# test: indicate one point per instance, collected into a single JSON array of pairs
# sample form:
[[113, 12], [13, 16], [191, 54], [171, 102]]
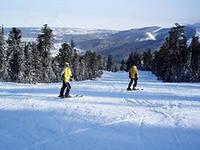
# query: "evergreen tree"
[[100, 62], [110, 63], [195, 58], [57, 69], [137, 60], [16, 56], [36, 64], [65, 54], [116, 67], [178, 54], [147, 60], [171, 62], [21, 76], [45, 44], [76, 67], [104, 63], [94, 65], [83, 69], [123, 65], [161, 63], [3, 57], [29, 73]]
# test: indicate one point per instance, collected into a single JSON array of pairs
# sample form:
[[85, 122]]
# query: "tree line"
[[142, 61], [32, 62], [176, 61]]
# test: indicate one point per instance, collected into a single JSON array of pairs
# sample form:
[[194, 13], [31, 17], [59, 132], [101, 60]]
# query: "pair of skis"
[[137, 89], [71, 96]]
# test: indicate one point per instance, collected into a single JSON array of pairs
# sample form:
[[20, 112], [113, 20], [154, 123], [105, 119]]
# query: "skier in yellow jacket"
[[133, 75], [67, 75]]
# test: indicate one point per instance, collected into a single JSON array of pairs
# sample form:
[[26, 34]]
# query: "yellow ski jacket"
[[133, 72], [67, 74]]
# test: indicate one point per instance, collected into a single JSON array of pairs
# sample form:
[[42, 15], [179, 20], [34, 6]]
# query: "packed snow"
[[159, 116], [151, 36], [159, 29]]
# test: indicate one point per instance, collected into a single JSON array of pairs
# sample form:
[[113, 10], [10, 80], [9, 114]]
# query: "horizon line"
[[97, 28]]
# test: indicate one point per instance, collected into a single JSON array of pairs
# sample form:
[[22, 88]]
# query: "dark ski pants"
[[131, 82], [65, 85]]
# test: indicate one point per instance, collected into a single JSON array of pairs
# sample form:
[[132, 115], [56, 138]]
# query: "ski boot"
[[68, 96], [61, 96], [128, 89]]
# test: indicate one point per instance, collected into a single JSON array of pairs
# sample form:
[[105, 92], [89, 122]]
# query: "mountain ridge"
[[105, 42]]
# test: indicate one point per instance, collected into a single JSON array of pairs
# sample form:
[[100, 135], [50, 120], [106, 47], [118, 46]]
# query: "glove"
[[71, 78]]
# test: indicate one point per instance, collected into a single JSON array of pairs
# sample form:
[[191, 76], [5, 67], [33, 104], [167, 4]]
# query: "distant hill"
[[117, 43], [122, 43]]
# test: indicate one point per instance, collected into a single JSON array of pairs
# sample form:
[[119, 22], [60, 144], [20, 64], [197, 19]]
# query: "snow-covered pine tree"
[[100, 62], [83, 70], [57, 69], [29, 73], [76, 67], [161, 62], [137, 60], [104, 63], [21, 77], [195, 58], [3, 57], [110, 63], [178, 52], [165, 59], [65, 54], [91, 64], [16, 56], [36, 64], [94, 65], [45, 44], [147, 60], [171, 62], [123, 65]]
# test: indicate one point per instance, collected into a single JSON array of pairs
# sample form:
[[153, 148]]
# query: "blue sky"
[[105, 14]]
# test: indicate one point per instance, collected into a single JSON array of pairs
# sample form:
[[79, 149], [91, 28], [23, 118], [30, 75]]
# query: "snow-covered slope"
[[162, 116]]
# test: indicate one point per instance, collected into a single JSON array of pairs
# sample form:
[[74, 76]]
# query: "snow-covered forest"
[[32, 62]]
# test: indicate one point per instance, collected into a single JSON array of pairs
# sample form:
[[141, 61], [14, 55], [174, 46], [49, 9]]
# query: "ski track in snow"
[[107, 117]]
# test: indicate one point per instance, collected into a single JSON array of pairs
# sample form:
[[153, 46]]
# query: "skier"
[[67, 77], [133, 75]]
